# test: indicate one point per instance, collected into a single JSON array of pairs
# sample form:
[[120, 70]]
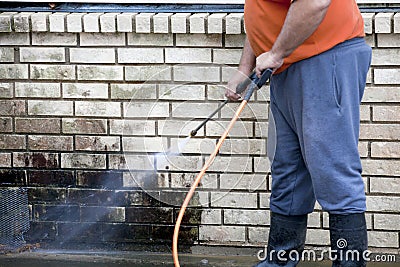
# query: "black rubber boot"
[[349, 240], [286, 240]]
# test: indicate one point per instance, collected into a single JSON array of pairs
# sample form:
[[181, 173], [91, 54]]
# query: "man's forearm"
[[248, 59], [303, 18]]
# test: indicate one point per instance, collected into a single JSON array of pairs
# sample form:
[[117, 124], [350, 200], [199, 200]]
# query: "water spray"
[[251, 84]]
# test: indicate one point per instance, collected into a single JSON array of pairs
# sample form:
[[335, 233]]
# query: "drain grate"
[[14, 217]]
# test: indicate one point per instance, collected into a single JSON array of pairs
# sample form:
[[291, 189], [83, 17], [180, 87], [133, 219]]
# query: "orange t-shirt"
[[264, 20]]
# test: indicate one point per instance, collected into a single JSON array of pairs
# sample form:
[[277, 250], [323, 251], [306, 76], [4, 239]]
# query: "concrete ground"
[[63, 258]]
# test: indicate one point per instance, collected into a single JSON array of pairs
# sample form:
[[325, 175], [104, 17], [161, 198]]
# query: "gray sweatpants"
[[314, 134]]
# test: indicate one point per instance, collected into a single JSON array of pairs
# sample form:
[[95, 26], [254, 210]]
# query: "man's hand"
[[268, 60], [230, 92]]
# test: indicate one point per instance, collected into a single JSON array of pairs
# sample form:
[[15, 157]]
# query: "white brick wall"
[[102, 84]]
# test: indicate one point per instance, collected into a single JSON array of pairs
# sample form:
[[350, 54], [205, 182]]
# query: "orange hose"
[[197, 181]]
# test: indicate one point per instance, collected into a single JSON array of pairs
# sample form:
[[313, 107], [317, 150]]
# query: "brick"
[[6, 54], [187, 55], [227, 56], [55, 213], [185, 180], [198, 22], [91, 22], [5, 22], [149, 215], [84, 126], [249, 182], [102, 214], [138, 109], [39, 22], [179, 22], [264, 200], [199, 146], [6, 90], [85, 90], [144, 144], [262, 164], [215, 23], [57, 39], [125, 22], [388, 40], [100, 73], [260, 129], [12, 107], [143, 22], [35, 160], [131, 162], [199, 39], [104, 39], [383, 22], [233, 200], [258, 235], [368, 22], [53, 108], [57, 22], [74, 22], [384, 185], [381, 94], [386, 113], [97, 109], [244, 146], [248, 217], [230, 164], [13, 71], [222, 233], [6, 125], [385, 150], [365, 113], [146, 39], [317, 237], [83, 161], [133, 91], [211, 216], [90, 197], [92, 55], [22, 22], [363, 149], [51, 178], [52, 72], [234, 23], [97, 143], [46, 142], [132, 127], [383, 203], [196, 74], [182, 92], [381, 167], [36, 125], [5, 160], [379, 131], [108, 22], [178, 163], [257, 111], [175, 127], [162, 22], [146, 179], [387, 221], [148, 73], [140, 55], [370, 40], [38, 90], [386, 57], [383, 239], [14, 38], [189, 110], [240, 128], [41, 54]]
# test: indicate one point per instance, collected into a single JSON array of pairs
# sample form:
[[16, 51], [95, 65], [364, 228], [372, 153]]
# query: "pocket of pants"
[[336, 91]]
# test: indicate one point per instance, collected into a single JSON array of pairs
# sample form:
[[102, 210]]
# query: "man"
[[320, 62]]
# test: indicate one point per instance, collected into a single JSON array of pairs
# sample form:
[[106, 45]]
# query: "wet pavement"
[[45, 258]]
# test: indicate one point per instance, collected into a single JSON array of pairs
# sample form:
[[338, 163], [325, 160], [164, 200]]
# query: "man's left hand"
[[268, 60]]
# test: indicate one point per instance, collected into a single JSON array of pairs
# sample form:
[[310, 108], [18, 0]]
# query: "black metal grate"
[[14, 217]]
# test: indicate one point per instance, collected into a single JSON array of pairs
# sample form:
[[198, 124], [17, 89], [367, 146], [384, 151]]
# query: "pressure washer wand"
[[258, 83], [252, 80]]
